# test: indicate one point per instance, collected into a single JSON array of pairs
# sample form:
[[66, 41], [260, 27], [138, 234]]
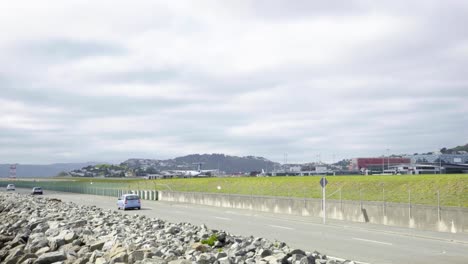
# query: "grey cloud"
[[283, 9], [403, 92], [62, 49]]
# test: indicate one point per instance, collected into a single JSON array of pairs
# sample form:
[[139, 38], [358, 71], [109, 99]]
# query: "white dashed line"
[[222, 218], [282, 227], [373, 241]]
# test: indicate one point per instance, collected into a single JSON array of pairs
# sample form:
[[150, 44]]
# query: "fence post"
[[341, 202], [438, 206], [360, 198], [305, 193], [409, 203], [384, 202]]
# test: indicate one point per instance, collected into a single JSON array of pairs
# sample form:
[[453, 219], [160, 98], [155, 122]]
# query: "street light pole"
[[383, 163], [440, 163], [388, 159]]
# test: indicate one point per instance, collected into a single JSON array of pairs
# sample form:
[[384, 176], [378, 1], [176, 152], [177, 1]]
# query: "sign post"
[[323, 183]]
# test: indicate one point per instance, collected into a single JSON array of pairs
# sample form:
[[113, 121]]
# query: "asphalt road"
[[347, 240]]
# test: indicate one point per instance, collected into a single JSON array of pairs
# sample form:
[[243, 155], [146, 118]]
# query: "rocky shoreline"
[[40, 230]]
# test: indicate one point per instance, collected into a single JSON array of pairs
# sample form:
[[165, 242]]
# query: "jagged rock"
[[222, 237], [50, 257], [78, 223], [310, 259], [27, 256], [220, 255], [28, 261], [137, 255], [180, 261], [97, 245], [201, 247], [69, 237], [3, 253], [4, 238], [205, 258], [100, 260], [265, 253], [55, 243], [298, 251], [40, 230], [172, 230], [80, 261], [297, 257], [15, 252], [42, 251], [154, 260], [120, 257], [225, 260], [36, 242], [271, 259]]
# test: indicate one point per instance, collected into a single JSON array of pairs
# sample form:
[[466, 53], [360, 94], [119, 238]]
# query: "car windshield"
[[133, 197], [37, 189]]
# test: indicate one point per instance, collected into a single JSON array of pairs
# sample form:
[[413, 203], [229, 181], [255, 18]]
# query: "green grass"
[[421, 189], [453, 188], [211, 240]]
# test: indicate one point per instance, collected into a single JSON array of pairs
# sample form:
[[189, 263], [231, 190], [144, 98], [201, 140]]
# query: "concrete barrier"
[[443, 219]]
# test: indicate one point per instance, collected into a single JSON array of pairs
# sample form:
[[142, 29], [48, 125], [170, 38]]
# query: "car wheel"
[[139, 208]]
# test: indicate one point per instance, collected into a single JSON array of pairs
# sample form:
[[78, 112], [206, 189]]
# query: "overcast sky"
[[111, 80]]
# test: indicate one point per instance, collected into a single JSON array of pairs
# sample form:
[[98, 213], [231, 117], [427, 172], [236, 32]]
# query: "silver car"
[[129, 201], [10, 187], [36, 190]]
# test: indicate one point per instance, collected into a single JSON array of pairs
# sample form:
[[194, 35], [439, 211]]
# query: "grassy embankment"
[[422, 189], [453, 188]]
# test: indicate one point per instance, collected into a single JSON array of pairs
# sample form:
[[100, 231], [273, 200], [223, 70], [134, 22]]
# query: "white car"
[[129, 201], [10, 187]]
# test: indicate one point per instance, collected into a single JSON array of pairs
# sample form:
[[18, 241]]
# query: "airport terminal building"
[[442, 158], [412, 164]]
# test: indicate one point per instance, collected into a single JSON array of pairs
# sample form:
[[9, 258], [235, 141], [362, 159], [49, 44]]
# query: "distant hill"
[[455, 150], [229, 164], [50, 170]]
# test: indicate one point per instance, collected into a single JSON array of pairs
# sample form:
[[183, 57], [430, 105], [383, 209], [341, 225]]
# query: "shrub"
[[210, 241]]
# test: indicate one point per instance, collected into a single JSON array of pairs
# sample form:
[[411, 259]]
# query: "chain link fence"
[[94, 188], [249, 186]]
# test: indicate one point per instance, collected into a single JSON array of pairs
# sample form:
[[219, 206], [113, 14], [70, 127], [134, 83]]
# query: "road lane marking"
[[373, 241], [222, 218], [282, 227]]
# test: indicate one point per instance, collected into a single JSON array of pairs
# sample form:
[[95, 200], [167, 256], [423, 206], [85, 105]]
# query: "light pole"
[[440, 163], [388, 159], [383, 163]]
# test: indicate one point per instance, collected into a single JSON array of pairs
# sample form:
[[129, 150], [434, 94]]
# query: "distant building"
[[415, 169], [450, 163], [442, 158], [295, 168], [376, 164]]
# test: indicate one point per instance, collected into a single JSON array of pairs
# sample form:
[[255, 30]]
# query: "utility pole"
[[13, 171], [440, 164], [383, 163], [388, 159]]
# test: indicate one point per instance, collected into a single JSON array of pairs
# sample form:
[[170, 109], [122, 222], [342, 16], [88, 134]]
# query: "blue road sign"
[[323, 182]]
